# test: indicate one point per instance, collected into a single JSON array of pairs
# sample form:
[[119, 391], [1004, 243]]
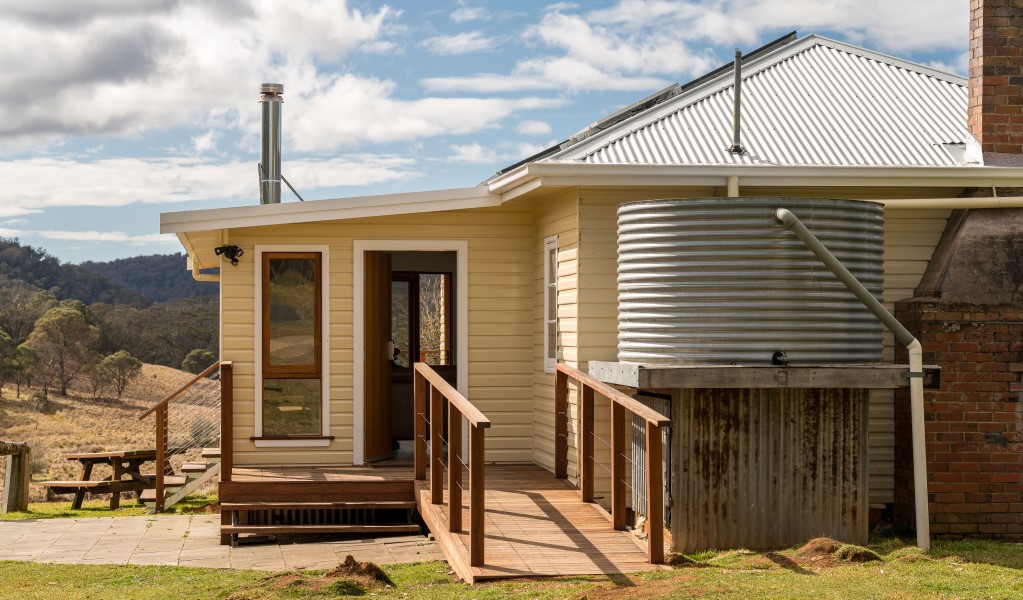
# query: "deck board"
[[536, 526]]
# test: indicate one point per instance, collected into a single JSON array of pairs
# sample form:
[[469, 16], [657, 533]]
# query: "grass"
[[955, 569], [101, 508]]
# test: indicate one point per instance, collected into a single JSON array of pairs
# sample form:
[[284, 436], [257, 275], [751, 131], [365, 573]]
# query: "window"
[[292, 403], [422, 335], [550, 303]]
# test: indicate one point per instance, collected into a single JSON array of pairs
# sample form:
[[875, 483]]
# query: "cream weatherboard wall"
[[500, 315]]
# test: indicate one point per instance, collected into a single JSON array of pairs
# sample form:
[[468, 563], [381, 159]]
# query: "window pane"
[[433, 333], [400, 321], [291, 407], [292, 311]]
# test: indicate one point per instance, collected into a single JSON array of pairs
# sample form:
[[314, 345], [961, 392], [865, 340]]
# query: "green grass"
[[962, 569], [101, 508]]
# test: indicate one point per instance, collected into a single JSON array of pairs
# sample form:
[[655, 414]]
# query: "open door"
[[377, 323]]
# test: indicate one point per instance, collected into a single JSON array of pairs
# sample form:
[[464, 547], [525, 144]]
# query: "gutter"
[[916, 370]]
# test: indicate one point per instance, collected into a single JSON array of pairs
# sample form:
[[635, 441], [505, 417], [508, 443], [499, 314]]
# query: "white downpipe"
[[733, 187], [916, 382]]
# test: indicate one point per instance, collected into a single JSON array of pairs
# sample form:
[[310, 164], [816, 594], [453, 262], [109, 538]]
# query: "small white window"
[[550, 303]]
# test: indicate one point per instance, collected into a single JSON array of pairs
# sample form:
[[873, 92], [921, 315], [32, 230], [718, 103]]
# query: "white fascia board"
[[328, 210], [560, 174]]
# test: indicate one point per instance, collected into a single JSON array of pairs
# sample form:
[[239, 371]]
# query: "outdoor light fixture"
[[231, 252]]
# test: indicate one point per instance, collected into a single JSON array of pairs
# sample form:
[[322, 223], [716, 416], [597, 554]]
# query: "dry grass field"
[[81, 423]]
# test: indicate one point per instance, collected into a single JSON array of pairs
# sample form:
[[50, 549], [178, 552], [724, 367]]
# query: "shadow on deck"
[[535, 525]]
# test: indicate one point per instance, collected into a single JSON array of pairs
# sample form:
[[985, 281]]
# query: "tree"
[[120, 369], [6, 349], [20, 306], [197, 361], [19, 364], [63, 338]]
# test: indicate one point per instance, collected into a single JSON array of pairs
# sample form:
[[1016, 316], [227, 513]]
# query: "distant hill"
[[41, 270], [159, 277]]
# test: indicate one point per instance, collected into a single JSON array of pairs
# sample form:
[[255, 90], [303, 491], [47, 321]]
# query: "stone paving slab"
[[189, 541]]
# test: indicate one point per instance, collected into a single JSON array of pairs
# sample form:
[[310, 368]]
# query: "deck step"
[[293, 529], [194, 467], [170, 482], [353, 504], [211, 452]]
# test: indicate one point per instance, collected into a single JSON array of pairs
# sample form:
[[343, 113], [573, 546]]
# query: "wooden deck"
[[536, 526]]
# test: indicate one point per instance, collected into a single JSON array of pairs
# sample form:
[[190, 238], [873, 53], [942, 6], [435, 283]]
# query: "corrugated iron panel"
[[769, 468], [639, 492], [820, 106], [717, 281]]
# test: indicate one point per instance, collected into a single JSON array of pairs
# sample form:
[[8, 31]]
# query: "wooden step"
[[172, 481], [245, 492], [353, 504], [293, 529], [194, 467], [211, 452]]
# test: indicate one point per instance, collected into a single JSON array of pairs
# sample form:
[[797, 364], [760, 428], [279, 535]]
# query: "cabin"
[[484, 322]]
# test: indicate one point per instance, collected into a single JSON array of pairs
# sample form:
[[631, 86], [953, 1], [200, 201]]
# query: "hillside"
[[159, 277], [40, 270], [80, 423]]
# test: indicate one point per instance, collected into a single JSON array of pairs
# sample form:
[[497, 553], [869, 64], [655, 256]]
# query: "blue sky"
[[115, 111]]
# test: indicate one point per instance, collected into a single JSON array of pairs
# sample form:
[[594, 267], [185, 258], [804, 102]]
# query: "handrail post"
[[454, 469], [654, 495], [161, 454], [618, 466], [476, 496], [586, 442], [560, 425], [420, 424], [226, 420], [436, 446]]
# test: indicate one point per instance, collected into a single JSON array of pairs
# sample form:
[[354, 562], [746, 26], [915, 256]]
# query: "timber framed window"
[[291, 378], [550, 303]]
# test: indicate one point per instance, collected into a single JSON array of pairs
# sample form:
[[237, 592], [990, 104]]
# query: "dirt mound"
[[858, 554], [365, 574], [821, 545]]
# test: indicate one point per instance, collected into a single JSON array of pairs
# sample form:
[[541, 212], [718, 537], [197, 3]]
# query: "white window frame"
[[550, 284], [324, 348]]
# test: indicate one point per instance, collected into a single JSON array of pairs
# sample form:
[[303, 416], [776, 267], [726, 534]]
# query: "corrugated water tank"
[[718, 281]]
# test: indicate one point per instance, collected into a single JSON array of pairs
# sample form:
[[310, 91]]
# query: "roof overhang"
[[327, 210], [529, 177]]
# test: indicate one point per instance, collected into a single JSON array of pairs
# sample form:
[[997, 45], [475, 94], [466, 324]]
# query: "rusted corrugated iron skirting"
[[768, 468]]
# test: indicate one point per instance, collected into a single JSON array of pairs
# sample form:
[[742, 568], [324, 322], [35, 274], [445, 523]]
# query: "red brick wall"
[[974, 422], [996, 75]]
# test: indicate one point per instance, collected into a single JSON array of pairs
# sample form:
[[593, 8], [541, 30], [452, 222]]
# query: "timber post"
[[17, 477]]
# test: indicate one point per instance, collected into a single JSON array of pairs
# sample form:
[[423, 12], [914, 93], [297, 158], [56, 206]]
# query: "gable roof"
[[811, 102]]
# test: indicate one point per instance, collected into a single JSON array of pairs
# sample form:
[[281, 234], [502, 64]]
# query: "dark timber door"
[[377, 376]]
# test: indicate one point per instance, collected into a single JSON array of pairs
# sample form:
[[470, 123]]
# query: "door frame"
[[360, 247]]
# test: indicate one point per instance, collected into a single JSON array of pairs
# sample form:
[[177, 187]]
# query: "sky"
[[114, 111]]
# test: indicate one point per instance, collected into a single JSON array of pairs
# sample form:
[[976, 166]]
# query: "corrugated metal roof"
[[813, 102]]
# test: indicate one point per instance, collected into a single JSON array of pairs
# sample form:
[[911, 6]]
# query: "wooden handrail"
[[635, 407], [458, 407], [166, 400], [452, 395], [620, 403]]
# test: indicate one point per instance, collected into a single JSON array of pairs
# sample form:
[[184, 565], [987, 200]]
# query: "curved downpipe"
[[916, 382]]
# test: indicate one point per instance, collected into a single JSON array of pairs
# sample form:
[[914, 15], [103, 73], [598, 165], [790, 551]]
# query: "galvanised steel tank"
[[719, 281]]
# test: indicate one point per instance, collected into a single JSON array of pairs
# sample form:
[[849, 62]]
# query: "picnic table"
[[126, 476]]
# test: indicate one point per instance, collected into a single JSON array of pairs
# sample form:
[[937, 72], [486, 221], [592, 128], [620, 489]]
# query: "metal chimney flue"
[[270, 100]]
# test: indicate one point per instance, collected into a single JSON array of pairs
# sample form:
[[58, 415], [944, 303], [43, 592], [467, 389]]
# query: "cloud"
[[121, 70], [462, 43], [124, 181], [473, 154], [468, 13], [529, 127]]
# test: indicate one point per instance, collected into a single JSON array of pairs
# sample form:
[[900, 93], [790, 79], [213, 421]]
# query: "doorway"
[[410, 315]]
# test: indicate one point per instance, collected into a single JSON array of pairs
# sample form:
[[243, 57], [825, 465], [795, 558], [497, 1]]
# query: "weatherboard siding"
[[501, 271], [557, 215]]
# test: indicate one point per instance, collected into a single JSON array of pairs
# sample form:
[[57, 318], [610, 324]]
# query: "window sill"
[[292, 441]]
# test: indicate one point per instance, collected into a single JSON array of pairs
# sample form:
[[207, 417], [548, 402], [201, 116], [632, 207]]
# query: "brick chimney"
[[996, 75]]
